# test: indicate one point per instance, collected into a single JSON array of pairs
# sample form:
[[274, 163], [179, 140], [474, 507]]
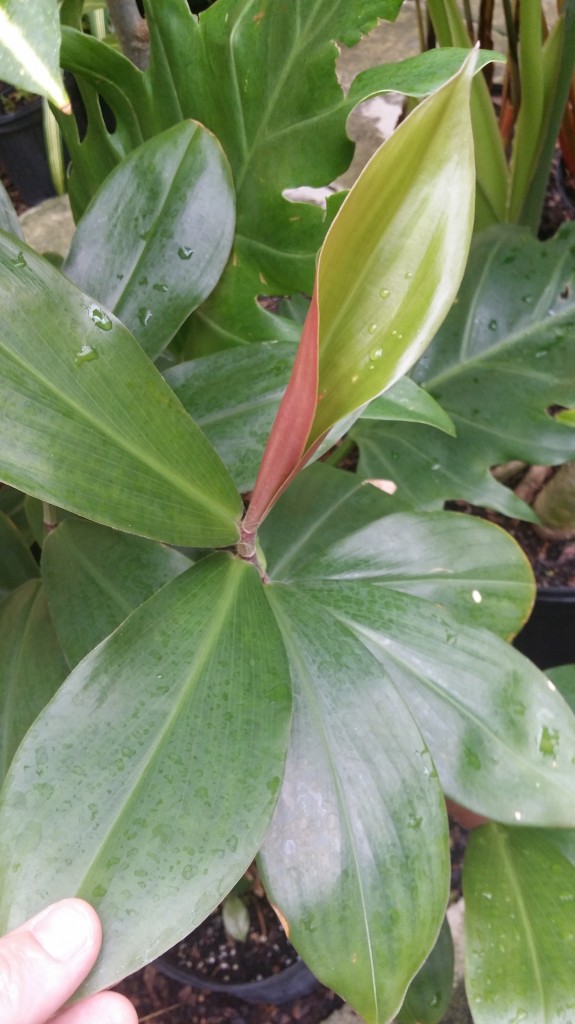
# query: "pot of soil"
[[22, 152], [261, 968], [548, 638]]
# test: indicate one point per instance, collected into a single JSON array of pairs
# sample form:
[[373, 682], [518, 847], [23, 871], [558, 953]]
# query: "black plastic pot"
[[548, 638], [22, 152], [295, 981]]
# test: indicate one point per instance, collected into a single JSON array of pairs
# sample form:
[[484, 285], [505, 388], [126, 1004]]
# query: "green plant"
[[538, 105], [307, 692]]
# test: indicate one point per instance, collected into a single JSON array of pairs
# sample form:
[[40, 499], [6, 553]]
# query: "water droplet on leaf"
[[19, 260], [144, 316], [100, 319], [185, 253], [86, 355]]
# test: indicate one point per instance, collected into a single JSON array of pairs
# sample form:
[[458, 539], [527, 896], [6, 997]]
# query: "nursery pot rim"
[[295, 980]]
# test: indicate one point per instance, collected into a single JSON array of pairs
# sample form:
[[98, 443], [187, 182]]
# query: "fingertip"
[[67, 929], [104, 1008]]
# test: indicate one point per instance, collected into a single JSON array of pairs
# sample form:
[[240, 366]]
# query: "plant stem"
[[132, 31]]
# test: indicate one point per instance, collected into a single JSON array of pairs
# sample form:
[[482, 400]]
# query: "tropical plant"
[[185, 686], [537, 108]]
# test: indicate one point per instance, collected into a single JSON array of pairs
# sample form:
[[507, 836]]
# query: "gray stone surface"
[[49, 227]]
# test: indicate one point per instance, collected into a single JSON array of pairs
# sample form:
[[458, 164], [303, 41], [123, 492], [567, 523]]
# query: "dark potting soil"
[[212, 954]]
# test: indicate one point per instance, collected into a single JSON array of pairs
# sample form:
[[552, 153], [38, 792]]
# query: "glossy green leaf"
[[430, 992], [394, 256], [29, 45], [88, 424], [285, 133], [233, 396], [406, 402], [501, 360], [33, 665], [231, 317], [416, 76], [17, 564], [332, 526], [359, 795], [502, 739], [94, 577], [123, 760], [519, 928], [145, 247]]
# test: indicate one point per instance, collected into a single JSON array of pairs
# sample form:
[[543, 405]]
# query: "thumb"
[[43, 962]]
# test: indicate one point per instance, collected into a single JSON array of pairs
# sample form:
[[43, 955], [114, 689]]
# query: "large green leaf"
[[148, 783], [146, 246], [29, 45], [88, 424], [394, 256], [17, 564], [345, 859], [33, 665], [519, 928], [502, 359], [502, 738], [94, 577], [333, 526], [233, 396]]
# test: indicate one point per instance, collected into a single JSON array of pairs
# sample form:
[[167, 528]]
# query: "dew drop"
[[185, 253], [517, 815], [372, 328], [487, 895], [144, 316], [375, 353], [159, 287], [86, 355], [527, 299], [542, 353], [19, 260], [100, 319], [384, 293], [189, 871], [492, 325], [414, 822], [409, 275], [548, 741], [475, 594]]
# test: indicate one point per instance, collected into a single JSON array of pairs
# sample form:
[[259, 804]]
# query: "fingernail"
[[62, 930]]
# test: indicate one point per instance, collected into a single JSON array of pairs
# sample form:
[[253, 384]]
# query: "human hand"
[[43, 962]]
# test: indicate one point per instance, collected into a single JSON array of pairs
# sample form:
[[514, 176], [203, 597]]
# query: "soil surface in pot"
[[210, 953]]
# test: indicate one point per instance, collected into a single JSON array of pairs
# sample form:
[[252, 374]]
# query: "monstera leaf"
[[503, 358]]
